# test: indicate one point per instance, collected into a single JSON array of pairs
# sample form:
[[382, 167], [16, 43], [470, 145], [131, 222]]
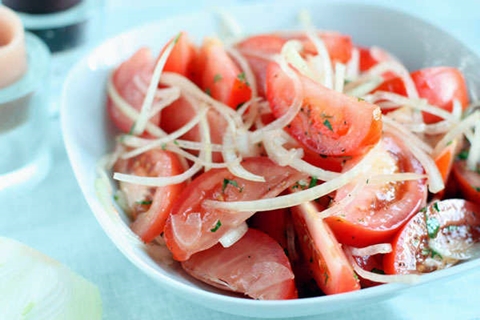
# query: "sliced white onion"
[[289, 200], [140, 123], [399, 130], [34, 286], [158, 181], [291, 53], [128, 110], [353, 65], [340, 70], [233, 235], [381, 278], [361, 87], [456, 131], [473, 158], [380, 248], [322, 59]]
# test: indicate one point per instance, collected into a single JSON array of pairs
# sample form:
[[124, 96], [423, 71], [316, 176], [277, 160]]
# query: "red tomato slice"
[[192, 227], [439, 85], [468, 181], [255, 266], [452, 224], [218, 75], [370, 57], [275, 224], [149, 206], [379, 210], [140, 64], [182, 56], [329, 123], [328, 263]]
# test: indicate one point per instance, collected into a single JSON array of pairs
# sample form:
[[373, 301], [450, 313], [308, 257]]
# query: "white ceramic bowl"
[[88, 135]]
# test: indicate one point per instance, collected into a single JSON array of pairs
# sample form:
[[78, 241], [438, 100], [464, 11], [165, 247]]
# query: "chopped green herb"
[[217, 226], [313, 182], [433, 226], [175, 142], [144, 202], [327, 124], [463, 155], [164, 146], [241, 77], [429, 252], [452, 228], [217, 77], [368, 180], [208, 91], [239, 105], [355, 276], [449, 142], [435, 207], [234, 183], [325, 274], [360, 99], [476, 188]]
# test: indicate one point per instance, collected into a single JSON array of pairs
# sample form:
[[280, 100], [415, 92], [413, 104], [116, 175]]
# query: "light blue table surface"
[[54, 218]]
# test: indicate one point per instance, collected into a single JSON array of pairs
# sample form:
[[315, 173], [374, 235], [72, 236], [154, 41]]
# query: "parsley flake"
[[327, 124], [217, 226], [433, 226], [242, 78], [313, 182], [233, 183], [463, 155], [144, 202], [217, 77]]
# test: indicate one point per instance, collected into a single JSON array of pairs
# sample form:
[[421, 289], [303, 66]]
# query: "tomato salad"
[[297, 163]]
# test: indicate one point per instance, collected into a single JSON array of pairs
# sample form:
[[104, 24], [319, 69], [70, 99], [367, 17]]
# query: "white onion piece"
[[300, 197], [360, 88], [457, 130], [353, 65], [291, 53], [381, 278], [323, 57], [340, 70], [435, 180], [338, 206], [399, 69], [380, 248], [140, 123], [34, 286], [473, 158], [128, 110], [158, 181], [170, 137], [399, 130], [233, 235]]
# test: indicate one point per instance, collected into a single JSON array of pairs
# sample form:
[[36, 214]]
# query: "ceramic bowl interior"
[[88, 135]]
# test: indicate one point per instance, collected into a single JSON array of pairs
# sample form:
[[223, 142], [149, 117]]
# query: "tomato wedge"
[[193, 227], [379, 210], [218, 75], [439, 85], [140, 64], [325, 257], [370, 57], [468, 181], [255, 265], [329, 122], [373, 263], [435, 238], [182, 57], [149, 206]]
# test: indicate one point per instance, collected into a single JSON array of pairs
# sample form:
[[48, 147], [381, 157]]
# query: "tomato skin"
[[274, 223], [458, 220], [139, 64], [255, 265], [188, 228], [329, 123], [370, 57], [439, 85], [468, 181], [324, 255], [218, 75], [376, 213], [182, 57], [150, 206]]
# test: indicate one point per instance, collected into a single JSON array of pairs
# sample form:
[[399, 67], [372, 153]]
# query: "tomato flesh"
[[218, 75], [182, 57], [453, 224], [150, 206], [140, 64], [379, 210], [329, 123], [327, 261], [468, 181], [255, 265], [189, 227]]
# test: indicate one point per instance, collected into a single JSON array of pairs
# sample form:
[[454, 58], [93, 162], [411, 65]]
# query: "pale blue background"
[[55, 219]]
